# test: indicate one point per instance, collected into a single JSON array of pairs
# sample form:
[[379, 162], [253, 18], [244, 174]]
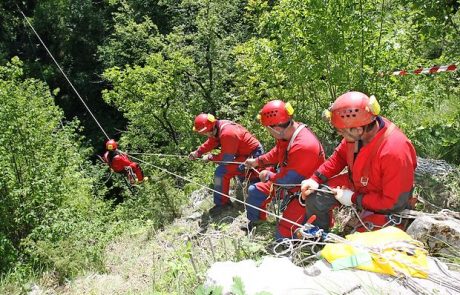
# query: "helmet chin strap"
[[274, 131], [281, 133], [214, 131]]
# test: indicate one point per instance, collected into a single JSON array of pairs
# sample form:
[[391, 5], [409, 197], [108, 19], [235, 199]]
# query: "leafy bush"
[[9, 254], [158, 201], [43, 180], [79, 233]]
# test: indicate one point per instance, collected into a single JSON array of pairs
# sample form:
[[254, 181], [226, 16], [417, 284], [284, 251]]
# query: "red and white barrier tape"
[[432, 70]]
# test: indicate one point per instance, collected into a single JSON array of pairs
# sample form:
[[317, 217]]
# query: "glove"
[[206, 158], [306, 187], [264, 175], [344, 196], [251, 162], [193, 155]]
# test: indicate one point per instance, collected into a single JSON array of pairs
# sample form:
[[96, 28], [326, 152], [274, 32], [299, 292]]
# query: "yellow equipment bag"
[[389, 251]]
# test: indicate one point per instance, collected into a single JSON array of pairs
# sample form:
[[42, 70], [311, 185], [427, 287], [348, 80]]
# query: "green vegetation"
[[146, 67]]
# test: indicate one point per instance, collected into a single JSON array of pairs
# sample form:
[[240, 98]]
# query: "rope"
[[394, 218], [302, 243], [289, 245], [246, 183], [231, 162], [331, 236], [446, 279], [328, 191], [62, 71], [359, 218], [293, 247], [445, 270], [226, 162], [158, 155], [183, 156], [213, 190]]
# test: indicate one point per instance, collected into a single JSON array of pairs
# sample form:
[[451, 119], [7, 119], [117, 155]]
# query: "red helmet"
[[204, 123], [111, 145], [275, 112], [353, 109]]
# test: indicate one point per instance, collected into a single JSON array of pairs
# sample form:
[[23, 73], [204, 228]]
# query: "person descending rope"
[[236, 144], [381, 163], [117, 161], [297, 153], [120, 163]]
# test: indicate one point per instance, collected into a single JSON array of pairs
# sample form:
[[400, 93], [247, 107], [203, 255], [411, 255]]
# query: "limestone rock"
[[440, 232]]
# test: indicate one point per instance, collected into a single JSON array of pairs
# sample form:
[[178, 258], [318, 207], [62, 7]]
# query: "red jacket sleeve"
[[302, 162], [271, 157], [333, 165], [210, 144]]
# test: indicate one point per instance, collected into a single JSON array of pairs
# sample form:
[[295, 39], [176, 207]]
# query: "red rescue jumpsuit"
[[381, 175], [297, 159], [236, 144], [120, 163]]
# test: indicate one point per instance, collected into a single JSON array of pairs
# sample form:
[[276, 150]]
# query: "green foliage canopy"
[[41, 160]]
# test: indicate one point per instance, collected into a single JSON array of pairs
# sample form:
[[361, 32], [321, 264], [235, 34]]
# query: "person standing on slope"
[[236, 145]]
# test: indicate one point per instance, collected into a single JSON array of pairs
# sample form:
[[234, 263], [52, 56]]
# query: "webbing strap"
[[367, 165], [225, 124], [293, 137], [296, 132], [352, 148]]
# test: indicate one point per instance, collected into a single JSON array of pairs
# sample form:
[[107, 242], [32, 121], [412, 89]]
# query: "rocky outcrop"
[[433, 167], [439, 232]]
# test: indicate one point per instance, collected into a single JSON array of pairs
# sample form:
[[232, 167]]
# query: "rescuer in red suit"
[[380, 161], [120, 163], [236, 145], [296, 155]]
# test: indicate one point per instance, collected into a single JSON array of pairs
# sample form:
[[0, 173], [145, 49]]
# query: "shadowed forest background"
[[145, 68]]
